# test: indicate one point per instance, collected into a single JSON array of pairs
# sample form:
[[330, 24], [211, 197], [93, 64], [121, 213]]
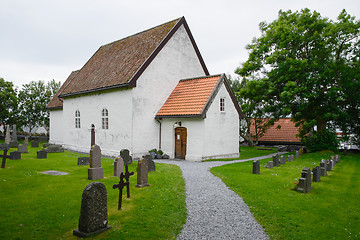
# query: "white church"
[[149, 90]]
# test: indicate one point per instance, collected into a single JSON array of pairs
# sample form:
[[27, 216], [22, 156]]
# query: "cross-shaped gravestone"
[[123, 184], [4, 156], [125, 154]]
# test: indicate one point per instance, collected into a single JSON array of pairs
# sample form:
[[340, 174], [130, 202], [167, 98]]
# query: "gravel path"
[[214, 211]]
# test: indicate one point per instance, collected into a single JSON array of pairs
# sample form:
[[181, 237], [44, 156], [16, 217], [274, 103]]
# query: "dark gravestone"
[[316, 174], [276, 160], [4, 146], [14, 144], [83, 161], [118, 166], [151, 164], [269, 164], [41, 154], [328, 165], [34, 144], [4, 157], [95, 171], [142, 173], [256, 167], [123, 184], [93, 215], [305, 181], [125, 154], [15, 155], [323, 167], [92, 142], [282, 159]]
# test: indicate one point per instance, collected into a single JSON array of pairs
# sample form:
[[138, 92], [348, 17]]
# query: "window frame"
[[104, 119], [222, 104], [77, 119]]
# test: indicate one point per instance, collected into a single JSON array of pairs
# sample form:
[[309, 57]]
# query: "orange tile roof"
[[286, 134], [190, 97]]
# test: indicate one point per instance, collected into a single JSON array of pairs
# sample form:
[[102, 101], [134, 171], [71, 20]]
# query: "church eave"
[[123, 85]]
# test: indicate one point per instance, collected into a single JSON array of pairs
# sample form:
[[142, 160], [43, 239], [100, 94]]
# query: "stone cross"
[[125, 154], [316, 174], [256, 167], [123, 184], [95, 171], [118, 166], [4, 157], [92, 135], [93, 215], [142, 173], [269, 164], [276, 160], [305, 181], [7, 135]]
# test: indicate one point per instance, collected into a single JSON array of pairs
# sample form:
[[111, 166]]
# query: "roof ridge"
[[201, 77]]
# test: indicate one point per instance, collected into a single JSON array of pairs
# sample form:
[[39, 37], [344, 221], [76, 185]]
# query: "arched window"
[[77, 119], [105, 119]]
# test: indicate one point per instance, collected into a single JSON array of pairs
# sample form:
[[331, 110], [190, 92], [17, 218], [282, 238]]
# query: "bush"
[[318, 141]]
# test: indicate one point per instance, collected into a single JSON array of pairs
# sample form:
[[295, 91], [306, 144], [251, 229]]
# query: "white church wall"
[[222, 128], [56, 127], [112, 140], [176, 60]]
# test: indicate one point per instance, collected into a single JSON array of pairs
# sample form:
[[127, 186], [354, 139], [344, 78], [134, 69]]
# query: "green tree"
[[8, 103], [307, 67], [33, 98]]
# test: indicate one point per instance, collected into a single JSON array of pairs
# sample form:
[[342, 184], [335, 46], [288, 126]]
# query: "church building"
[[149, 90]]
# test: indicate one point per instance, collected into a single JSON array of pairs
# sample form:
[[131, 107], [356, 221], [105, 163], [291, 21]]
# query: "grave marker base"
[[85, 235]]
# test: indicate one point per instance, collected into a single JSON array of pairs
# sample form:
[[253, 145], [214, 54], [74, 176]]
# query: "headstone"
[[123, 184], [337, 158], [332, 157], [15, 155], [55, 149], [14, 143], [290, 158], [316, 174], [7, 135], [282, 159], [23, 148], [118, 166], [92, 135], [305, 181], [269, 164], [151, 164], [42, 154], [142, 173], [297, 154], [4, 157], [34, 144], [276, 160], [256, 167], [95, 171], [93, 215], [328, 165], [125, 154], [323, 167], [4, 146], [26, 141], [83, 161], [46, 145]]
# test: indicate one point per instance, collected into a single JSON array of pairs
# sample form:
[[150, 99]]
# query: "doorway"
[[180, 142]]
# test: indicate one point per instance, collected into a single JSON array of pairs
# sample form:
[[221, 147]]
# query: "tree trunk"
[[321, 125]]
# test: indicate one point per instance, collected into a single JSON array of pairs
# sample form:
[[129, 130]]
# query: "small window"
[[222, 104], [105, 119], [77, 119]]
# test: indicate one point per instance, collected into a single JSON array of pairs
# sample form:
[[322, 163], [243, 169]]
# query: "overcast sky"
[[47, 39]]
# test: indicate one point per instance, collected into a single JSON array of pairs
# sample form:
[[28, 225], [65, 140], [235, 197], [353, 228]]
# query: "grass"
[[330, 210], [39, 206], [247, 152]]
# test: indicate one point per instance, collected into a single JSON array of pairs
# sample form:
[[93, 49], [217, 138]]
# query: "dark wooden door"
[[180, 142]]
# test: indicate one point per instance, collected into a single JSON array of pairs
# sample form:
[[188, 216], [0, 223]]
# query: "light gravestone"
[[256, 167], [297, 154], [15, 155], [151, 164], [14, 143], [282, 159], [125, 155], [93, 215], [323, 167], [26, 141], [269, 164], [328, 165], [118, 166], [42, 154], [316, 174], [95, 171], [55, 149], [142, 173], [337, 158], [305, 181], [23, 148], [7, 135], [290, 158], [276, 160]]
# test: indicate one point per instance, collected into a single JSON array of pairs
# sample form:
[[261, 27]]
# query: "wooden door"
[[180, 142]]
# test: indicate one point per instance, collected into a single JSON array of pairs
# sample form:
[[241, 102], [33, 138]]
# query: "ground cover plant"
[[330, 210], [249, 152], [39, 206]]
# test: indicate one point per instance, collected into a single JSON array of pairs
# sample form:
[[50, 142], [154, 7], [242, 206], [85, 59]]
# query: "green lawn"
[[248, 152], [38, 206], [331, 210]]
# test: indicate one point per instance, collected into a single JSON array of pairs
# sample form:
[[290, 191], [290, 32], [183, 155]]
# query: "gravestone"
[[142, 173], [34, 144], [123, 184], [328, 165], [93, 215], [151, 164], [282, 159], [276, 160], [15, 155], [305, 181], [23, 148], [14, 143], [332, 157], [118, 166], [42, 154], [323, 167], [256, 167], [83, 161], [26, 141], [4, 157], [290, 158], [4, 146], [269, 164], [125, 154], [337, 158], [54, 149], [46, 145], [95, 171], [92, 142], [297, 154], [7, 135], [316, 174]]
